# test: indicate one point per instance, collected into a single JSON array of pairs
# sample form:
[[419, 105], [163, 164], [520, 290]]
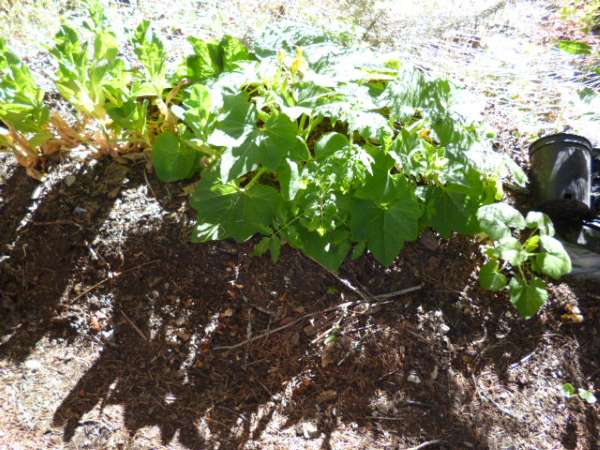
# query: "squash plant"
[[333, 149]]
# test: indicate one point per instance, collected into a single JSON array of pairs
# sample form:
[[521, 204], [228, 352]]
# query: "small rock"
[[434, 373], [33, 364], [444, 329], [310, 430], [413, 378], [70, 180], [108, 335]]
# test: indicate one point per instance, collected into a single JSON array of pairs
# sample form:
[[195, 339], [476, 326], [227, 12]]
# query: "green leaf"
[[359, 250], [452, 211], [540, 221], [151, 53], [197, 109], [586, 395], [242, 159], [532, 243], [205, 232], [329, 250], [173, 159], [290, 180], [233, 51], [554, 261], [235, 123], [330, 143], [279, 141], [21, 99], [275, 248], [528, 298], [496, 220], [387, 227], [262, 247], [491, 278], [206, 61], [575, 47], [371, 126], [240, 213], [511, 250], [568, 390]]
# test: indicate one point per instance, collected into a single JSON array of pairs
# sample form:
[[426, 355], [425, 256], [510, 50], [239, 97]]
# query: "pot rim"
[[565, 138]]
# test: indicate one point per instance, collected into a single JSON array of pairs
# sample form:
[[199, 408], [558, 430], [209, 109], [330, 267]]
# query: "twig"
[[427, 444], [148, 184], [97, 285], [57, 222], [484, 397], [134, 326], [257, 307], [398, 293], [300, 319], [346, 283]]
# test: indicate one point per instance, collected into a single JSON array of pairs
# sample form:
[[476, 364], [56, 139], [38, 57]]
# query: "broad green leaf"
[[381, 185], [329, 250], [262, 247], [290, 180], [242, 159], [498, 219], [553, 261], [237, 120], [371, 126], [240, 213], [511, 250], [540, 221], [173, 160], [233, 51], [575, 47], [528, 298], [386, 227], [280, 141], [359, 250], [491, 278], [330, 143], [206, 61], [450, 211]]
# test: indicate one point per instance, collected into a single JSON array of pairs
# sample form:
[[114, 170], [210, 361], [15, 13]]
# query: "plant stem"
[[256, 177]]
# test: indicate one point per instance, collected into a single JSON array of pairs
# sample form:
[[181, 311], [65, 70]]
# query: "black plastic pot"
[[561, 168]]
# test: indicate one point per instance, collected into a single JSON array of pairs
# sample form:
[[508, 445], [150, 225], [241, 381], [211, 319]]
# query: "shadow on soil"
[[173, 302], [46, 232]]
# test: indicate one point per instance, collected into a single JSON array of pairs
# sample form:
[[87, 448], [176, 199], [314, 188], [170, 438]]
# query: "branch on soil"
[[317, 313]]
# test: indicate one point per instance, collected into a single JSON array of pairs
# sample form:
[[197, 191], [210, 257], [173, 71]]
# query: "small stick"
[[57, 222], [343, 281], [134, 326], [97, 285], [300, 319], [427, 444], [398, 293], [148, 184]]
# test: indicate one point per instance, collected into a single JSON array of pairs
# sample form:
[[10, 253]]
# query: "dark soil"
[[112, 327]]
